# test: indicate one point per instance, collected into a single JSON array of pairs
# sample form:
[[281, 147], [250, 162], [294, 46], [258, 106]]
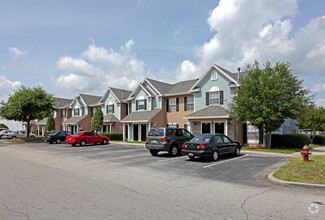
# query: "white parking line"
[[137, 155], [224, 161], [174, 158]]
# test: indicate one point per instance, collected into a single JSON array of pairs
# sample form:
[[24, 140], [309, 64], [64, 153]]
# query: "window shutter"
[[167, 105], [207, 98], [106, 109], [136, 105], [113, 109], [185, 103], [177, 104], [145, 104], [221, 97]]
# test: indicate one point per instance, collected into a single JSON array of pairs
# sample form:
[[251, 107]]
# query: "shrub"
[[46, 133], [34, 132], [289, 140], [113, 136], [319, 139]]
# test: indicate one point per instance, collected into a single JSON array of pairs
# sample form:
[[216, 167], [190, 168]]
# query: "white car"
[[3, 132], [16, 134]]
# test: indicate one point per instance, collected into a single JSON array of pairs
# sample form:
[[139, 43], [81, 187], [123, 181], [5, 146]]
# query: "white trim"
[[146, 79], [206, 117]]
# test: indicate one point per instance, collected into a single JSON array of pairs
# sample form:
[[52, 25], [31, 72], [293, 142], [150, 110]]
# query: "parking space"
[[244, 169]]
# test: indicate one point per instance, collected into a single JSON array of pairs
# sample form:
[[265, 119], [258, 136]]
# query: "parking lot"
[[245, 169]]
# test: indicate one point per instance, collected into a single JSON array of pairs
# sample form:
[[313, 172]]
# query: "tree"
[[50, 123], [97, 120], [27, 104], [313, 120], [266, 97]]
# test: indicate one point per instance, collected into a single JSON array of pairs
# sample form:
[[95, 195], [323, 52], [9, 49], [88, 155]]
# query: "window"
[[214, 98], [141, 104], [76, 112], [63, 113], [214, 75], [189, 103], [93, 110], [109, 109], [178, 133], [186, 133], [226, 139], [172, 105], [173, 125]]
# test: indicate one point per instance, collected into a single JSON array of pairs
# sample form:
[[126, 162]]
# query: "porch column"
[[37, 130], [226, 127], [131, 132], [123, 132], [139, 132]]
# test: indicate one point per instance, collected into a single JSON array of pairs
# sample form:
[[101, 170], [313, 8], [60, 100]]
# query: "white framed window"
[[173, 125], [190, 103], [110, 109], [76, 112], [214, 97], [141, 104], [172, 105], [214, 75]]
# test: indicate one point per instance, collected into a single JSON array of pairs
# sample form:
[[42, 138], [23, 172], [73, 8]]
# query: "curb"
[[130, 144], [270, 154], [282, 182]]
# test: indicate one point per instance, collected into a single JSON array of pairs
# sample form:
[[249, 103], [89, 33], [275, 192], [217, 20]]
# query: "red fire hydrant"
[[305, 153]]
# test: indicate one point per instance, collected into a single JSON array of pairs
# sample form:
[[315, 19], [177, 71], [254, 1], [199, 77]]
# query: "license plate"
[[190, 154], [154, 141], [69, 138]]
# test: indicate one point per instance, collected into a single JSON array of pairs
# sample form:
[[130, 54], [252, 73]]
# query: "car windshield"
[[201, 138], [53, 133], [77, 133], [156, 132]]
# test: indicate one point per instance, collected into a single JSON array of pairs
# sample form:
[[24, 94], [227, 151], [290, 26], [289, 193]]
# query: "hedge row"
[[289, 140], [113, 136], [319, 139]]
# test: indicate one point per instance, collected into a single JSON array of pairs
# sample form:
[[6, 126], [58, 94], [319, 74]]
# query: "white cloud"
[[320, 102], [318, 88], [105, 68], [16, 53], [7, 88], [187, 70]]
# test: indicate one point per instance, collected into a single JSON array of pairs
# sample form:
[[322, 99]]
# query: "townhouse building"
[[82, 107], [114, 107]]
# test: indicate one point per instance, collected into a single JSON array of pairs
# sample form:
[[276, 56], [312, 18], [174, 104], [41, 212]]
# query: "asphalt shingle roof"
[[162, 87], [119, 93], [182, 87], [110, 118], [209, 112], [62, 102], [144, 116], [74, 120], [90, 99]]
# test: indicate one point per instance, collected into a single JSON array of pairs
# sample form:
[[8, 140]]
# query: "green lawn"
[[306, 172], [278, 150]]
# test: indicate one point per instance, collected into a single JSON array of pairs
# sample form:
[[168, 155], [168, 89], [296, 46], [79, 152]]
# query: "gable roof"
[[144, 88], [143, 116], [62, 102], [231, 76], [160, 87], [182, 87], [120, 94], [90, 100]]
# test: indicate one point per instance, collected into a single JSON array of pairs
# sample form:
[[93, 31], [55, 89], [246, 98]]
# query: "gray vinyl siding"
[[117, 107]]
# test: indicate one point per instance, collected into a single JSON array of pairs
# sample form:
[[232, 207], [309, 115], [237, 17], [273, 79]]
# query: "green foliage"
[[28, 104], [46, 133], [319, 139], [268, 96], [97, 120], [34, 132], [50, 124], [113, 136], [289, 141], [313, 120], [3, 126]]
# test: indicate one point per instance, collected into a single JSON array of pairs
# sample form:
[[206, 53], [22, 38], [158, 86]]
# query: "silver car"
[[16, 134], [3, 132]]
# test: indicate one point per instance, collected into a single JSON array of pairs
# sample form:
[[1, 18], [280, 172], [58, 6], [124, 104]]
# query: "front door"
[[143, 132], [206, 128], [219, 128], [135, 132]]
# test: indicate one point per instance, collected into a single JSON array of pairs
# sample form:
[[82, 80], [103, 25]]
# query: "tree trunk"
[[267, 138], [28, 127]]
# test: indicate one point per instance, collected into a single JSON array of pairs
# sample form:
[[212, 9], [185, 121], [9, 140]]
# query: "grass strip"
[[278, 150], [305, 172]]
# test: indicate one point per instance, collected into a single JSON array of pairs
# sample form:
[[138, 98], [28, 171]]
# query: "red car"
[[86, 137]]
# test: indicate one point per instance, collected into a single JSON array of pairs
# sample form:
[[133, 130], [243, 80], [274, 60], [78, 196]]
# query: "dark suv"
[[167, 139]]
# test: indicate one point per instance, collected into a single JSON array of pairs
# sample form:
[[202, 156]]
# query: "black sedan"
[[210, 145], [56, 136]]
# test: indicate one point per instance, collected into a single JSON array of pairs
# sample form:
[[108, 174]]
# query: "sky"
[[76, 46]]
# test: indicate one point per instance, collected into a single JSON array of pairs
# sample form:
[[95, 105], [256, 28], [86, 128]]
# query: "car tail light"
[[201, 147], [165, 140], [184, 146], [146, 139]]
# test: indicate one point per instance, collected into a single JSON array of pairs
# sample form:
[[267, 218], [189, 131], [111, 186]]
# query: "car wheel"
[[191, 157], [82, 143], [13, 137], [104, 141], [73, 145], [154, 152], [237, 151], [173, 150], [58, 141], [50, 142], [215, 155]]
